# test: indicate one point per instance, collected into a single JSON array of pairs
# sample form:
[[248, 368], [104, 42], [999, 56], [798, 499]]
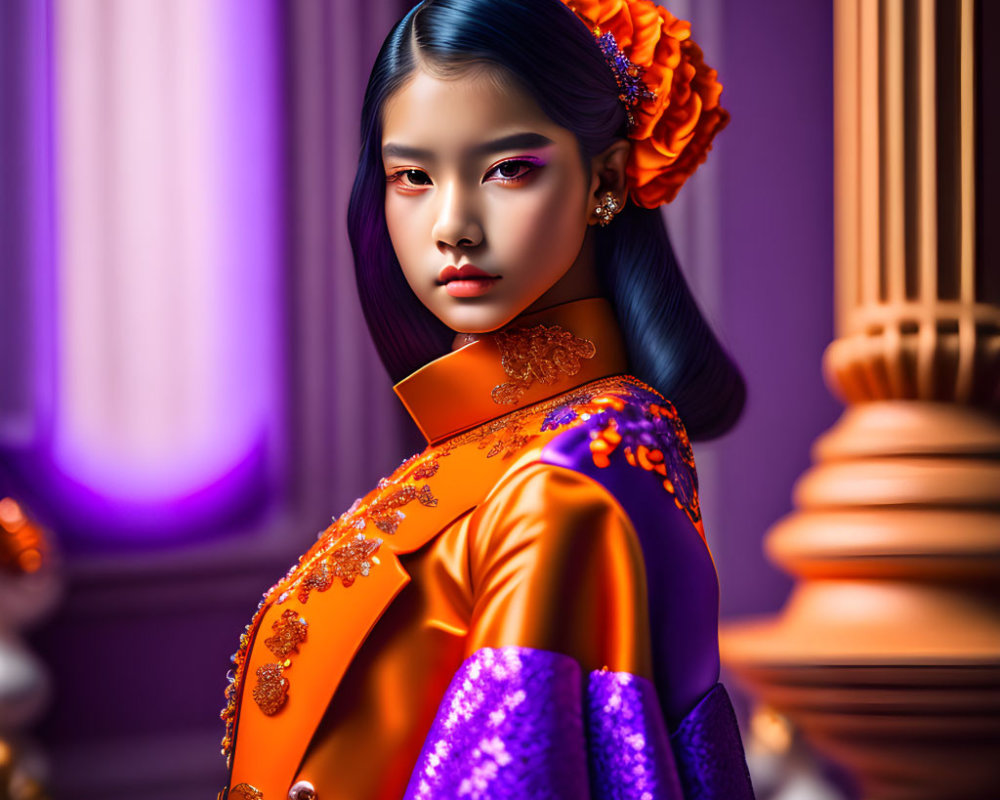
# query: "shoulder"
[[623, 429], [596, 454], [548, 507], [556, 564]]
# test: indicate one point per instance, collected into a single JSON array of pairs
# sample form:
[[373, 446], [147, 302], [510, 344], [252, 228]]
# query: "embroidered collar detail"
[[541, 353], [537, 357]]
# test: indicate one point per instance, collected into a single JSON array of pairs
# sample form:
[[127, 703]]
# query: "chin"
[[478, 317]]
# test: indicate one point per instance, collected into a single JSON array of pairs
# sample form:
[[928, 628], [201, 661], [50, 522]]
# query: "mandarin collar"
[[535, 357]]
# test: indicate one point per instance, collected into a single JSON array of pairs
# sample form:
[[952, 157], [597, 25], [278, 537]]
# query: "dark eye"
[[416, 177], [409, 178], [513, 170]]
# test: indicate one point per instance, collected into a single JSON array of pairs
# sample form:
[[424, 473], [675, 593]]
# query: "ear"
[[607, 174]]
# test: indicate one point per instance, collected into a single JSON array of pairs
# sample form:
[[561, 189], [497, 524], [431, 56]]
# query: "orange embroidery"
[[499, 438], [343, 552], [426, 470], [385, 513], [271, 690], [244, 791], [289, 633], [344, 563], [272, 686], [541, 353], [651, 437]]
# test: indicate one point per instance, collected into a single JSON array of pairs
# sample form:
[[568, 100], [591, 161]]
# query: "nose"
[[457, 224]]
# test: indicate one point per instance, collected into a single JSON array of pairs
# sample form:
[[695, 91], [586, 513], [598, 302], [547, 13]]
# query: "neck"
[[578, 283]]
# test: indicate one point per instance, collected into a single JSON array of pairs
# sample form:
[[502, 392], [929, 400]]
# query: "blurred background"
[[187, 388]]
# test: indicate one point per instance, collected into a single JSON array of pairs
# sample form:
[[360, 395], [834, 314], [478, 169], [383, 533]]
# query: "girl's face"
[[487, 200]]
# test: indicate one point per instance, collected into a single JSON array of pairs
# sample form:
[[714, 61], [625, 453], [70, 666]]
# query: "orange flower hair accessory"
[[670, 95]]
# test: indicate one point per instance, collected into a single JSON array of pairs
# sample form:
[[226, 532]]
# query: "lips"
[[466, 281], [465, 272]]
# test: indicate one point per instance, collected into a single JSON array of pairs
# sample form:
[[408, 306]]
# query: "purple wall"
[[776, 176], [154, 665]]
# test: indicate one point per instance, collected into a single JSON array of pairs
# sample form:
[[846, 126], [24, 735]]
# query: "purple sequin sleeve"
[[629, 751], [519, 723], [509, 726]]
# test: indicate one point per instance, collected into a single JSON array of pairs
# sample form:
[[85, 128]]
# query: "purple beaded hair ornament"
[[628, 76]]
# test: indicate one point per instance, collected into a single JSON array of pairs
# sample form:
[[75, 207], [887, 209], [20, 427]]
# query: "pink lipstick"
[[466, 281]]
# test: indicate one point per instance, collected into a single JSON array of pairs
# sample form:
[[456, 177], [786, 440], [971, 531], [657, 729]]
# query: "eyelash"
[[531, 164]]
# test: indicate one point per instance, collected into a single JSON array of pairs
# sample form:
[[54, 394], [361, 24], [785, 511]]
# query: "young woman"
[[528, 607]]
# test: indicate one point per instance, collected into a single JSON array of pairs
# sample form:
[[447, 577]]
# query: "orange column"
[[887, 653]]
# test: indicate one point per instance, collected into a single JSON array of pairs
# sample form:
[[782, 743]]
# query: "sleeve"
[[555, 698], [556, 565]]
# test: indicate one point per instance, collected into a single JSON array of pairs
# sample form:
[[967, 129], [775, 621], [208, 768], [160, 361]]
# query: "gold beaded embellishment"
[[271, 689], [344, 563], [541, 353], [289, 633], [244, 791], [342, 553]]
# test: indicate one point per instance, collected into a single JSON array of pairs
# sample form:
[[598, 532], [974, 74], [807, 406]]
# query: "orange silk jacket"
[[476, 542]]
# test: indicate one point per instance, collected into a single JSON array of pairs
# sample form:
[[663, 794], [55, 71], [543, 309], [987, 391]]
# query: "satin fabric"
[[455, 392], [549, 561], [520, 542], [683, 587]]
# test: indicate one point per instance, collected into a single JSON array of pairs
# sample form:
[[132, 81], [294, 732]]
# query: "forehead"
[[443, 112]]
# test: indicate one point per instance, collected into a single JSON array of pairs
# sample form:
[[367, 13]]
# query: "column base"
[[887, 653]]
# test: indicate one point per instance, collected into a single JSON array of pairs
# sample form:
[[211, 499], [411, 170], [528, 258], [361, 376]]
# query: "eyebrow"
[[515, 141]]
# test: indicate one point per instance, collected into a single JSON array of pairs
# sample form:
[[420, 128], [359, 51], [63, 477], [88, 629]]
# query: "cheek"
[[545, 224]]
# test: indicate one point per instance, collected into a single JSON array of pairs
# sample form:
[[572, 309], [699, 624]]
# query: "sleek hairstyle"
[[543, 47]]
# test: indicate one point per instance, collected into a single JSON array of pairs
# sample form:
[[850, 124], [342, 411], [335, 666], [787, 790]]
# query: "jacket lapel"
[[269, 748]]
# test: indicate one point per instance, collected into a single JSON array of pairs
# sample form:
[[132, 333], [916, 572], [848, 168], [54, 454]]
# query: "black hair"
[[551, 54]]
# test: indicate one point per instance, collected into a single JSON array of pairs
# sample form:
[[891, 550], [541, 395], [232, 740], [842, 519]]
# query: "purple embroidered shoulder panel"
[[680, 575], [640, 427], [519, 723]]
